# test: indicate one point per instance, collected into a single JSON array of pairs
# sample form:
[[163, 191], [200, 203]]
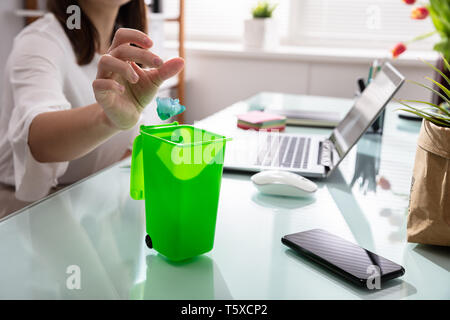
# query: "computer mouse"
[[283, 183]]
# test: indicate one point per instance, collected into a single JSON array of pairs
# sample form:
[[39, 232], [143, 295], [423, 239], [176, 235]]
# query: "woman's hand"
[[124, 89]]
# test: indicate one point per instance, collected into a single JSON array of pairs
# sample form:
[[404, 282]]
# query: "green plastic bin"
[[177, 169]]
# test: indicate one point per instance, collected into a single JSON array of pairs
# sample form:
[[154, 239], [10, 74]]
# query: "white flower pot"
[[260, 33]]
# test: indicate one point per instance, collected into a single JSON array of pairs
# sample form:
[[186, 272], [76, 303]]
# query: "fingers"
[[127, 36], [109, 65], [128, 53], [102, 85], [170, 68], [137, 69]]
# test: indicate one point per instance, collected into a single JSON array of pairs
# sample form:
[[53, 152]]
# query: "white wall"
[[215, 81], [10, 25]]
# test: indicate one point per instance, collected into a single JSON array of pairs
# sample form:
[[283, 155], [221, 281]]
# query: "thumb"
[[170, 68]]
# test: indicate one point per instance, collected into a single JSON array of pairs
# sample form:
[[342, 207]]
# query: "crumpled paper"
[[168, 107]]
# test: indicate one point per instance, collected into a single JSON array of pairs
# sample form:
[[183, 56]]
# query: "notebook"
[[310, 118], [258, 120]]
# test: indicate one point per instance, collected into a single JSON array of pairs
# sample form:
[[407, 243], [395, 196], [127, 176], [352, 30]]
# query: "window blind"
[[220, 19], [364, 21], [359, 23]]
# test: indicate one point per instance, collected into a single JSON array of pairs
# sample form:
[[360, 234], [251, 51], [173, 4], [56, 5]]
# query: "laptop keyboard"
[[283, 151]]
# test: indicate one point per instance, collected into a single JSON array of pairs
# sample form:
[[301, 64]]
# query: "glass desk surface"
[[96, 226]]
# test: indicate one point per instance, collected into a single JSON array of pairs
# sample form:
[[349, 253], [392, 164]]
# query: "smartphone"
[[344, 258]]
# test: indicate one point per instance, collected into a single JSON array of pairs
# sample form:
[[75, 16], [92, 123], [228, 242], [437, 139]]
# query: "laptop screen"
[[366, 109]]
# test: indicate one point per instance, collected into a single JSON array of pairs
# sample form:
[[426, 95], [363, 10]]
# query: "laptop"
[[314, 156]]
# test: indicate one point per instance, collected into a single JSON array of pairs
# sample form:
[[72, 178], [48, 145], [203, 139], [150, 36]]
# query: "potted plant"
[[429, 207], [260, 32], [439, 12]]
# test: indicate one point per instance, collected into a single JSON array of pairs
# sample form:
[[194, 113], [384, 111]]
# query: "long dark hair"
[[85, 41]]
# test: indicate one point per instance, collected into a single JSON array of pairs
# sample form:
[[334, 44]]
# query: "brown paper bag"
[[429, 207]]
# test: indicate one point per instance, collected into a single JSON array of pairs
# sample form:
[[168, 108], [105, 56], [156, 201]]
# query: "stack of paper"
[[258, 120]]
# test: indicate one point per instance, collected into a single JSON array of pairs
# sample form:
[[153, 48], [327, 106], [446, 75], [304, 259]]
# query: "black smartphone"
[[343, 257]]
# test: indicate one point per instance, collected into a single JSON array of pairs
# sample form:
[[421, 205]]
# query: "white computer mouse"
[[283, 183]]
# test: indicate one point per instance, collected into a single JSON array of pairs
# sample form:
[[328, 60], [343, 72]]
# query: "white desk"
[[95, 225]]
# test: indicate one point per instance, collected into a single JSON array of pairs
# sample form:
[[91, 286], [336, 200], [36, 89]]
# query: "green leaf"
[[437, 70], [447, 92], [438, 24], [447, 65], [422, 36], [444, 47], [428, 103], [437, 122], [263, 9], [431, 89], [417, 110], [440, 16], [437, 116], [424, 113]]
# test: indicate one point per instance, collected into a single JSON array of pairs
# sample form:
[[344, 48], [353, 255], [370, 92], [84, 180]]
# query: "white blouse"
[[42, 75]]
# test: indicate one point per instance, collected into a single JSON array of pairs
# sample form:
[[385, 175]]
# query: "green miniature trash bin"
[[177, 169]]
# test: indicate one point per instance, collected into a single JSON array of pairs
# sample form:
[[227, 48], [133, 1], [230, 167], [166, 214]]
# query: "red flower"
[[409, 1], [419, 13], [398, 50], [384, 183]]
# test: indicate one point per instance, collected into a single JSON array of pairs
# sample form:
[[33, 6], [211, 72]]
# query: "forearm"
[[69, 134]]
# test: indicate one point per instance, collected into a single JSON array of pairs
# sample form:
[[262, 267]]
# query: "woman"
[[73, 98]]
